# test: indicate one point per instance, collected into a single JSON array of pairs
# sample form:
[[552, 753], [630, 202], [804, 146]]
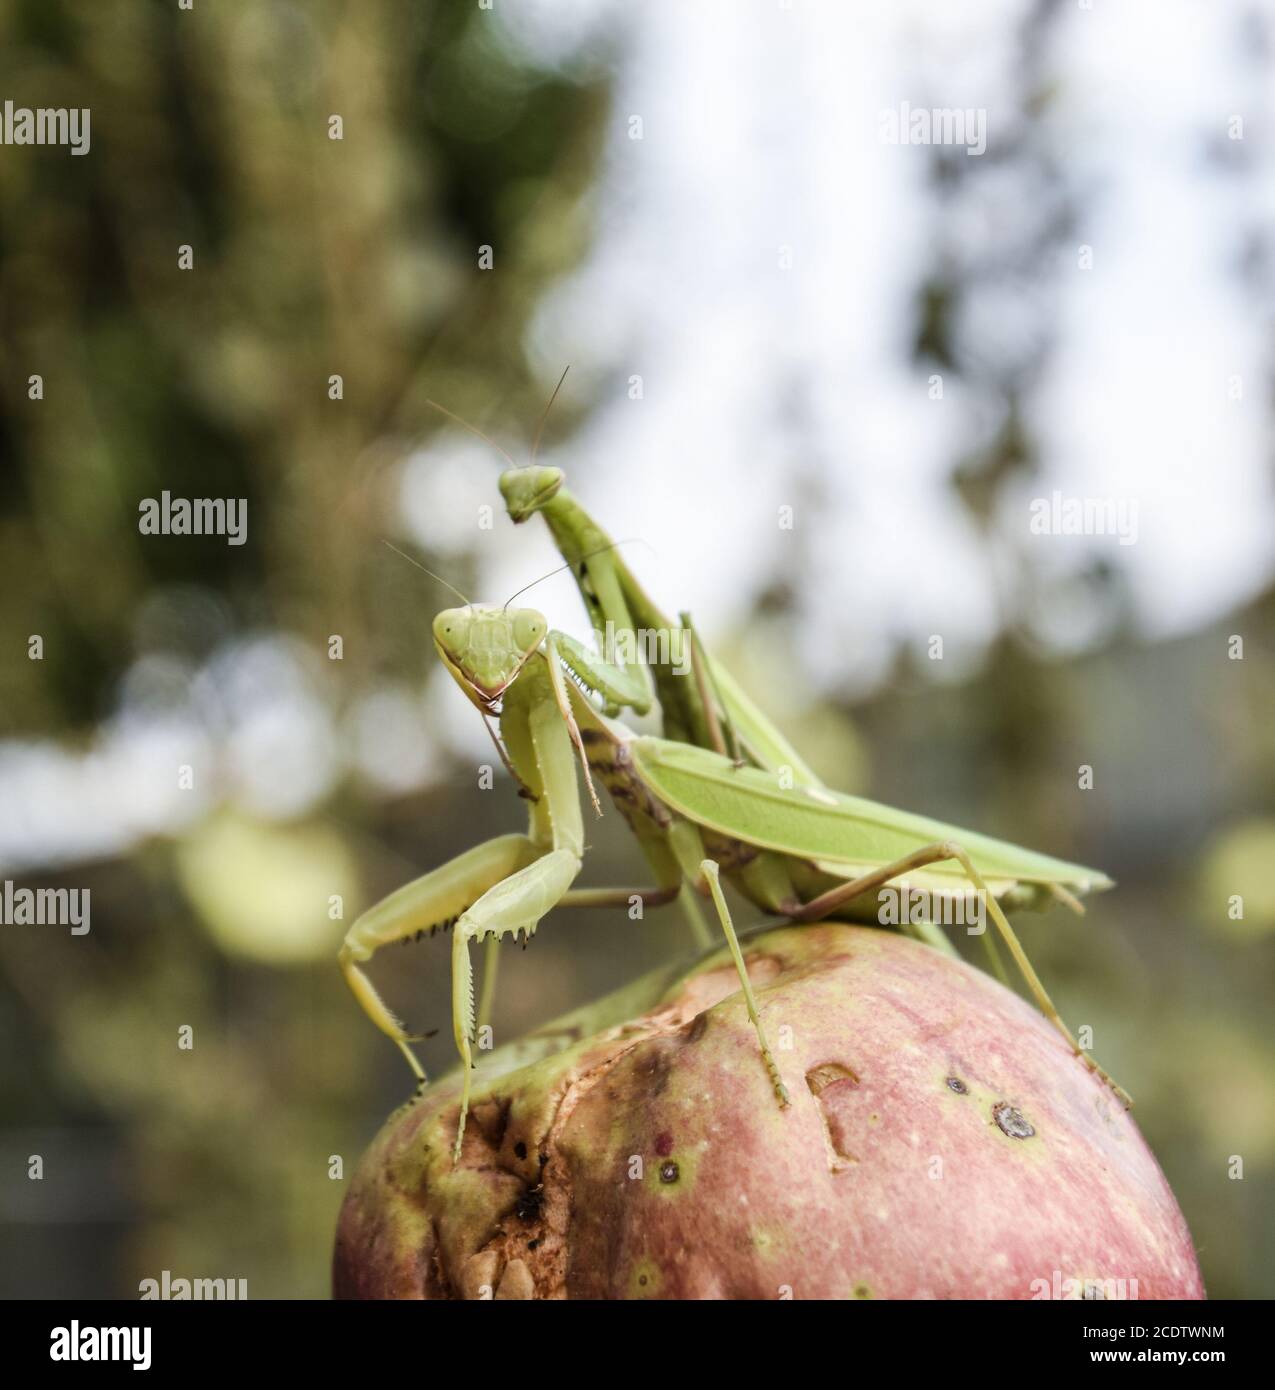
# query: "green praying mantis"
[[711, 711], [726, 796]]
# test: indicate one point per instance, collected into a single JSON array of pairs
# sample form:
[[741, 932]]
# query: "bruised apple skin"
[[942, 1142]]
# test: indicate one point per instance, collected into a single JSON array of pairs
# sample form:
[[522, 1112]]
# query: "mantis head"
[[485, 648], [526, 490]]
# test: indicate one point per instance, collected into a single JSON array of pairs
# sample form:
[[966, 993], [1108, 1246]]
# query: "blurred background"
[[764, 304]]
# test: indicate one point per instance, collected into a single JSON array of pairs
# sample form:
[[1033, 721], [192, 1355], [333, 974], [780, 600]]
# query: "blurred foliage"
[[311, 257], [359, 257]]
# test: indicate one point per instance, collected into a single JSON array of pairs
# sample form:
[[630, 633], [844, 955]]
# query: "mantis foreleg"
[[516, 903], [491, 968], [619, 897], [618, 685], [429, 901]]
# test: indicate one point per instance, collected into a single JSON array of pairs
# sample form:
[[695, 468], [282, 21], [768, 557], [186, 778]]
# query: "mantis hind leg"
[[844, 893], [712, 873]]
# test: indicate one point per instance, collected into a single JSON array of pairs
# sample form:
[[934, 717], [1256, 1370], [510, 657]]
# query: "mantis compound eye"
[[451, 629], [529, 629]]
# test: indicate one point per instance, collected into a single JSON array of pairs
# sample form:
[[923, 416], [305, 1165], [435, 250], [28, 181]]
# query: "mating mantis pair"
[[725, 794]]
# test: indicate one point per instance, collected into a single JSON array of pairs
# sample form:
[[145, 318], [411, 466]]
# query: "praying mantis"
[[798, 851], [712, 711], [709, 712]]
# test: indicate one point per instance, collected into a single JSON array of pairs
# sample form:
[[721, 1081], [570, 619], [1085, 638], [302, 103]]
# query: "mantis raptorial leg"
[[620, 897], [491, 969], [442, 896], [621, 685], [431, 900]]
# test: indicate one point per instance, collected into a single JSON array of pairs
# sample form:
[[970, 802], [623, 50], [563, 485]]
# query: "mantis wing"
[[842, 834], [763, 742]]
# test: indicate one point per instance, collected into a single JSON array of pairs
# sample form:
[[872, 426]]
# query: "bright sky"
[[761, 131]]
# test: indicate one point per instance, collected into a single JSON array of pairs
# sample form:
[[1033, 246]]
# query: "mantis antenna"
[[474, 430], [602, 548], [467, 602], [535, 447]]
